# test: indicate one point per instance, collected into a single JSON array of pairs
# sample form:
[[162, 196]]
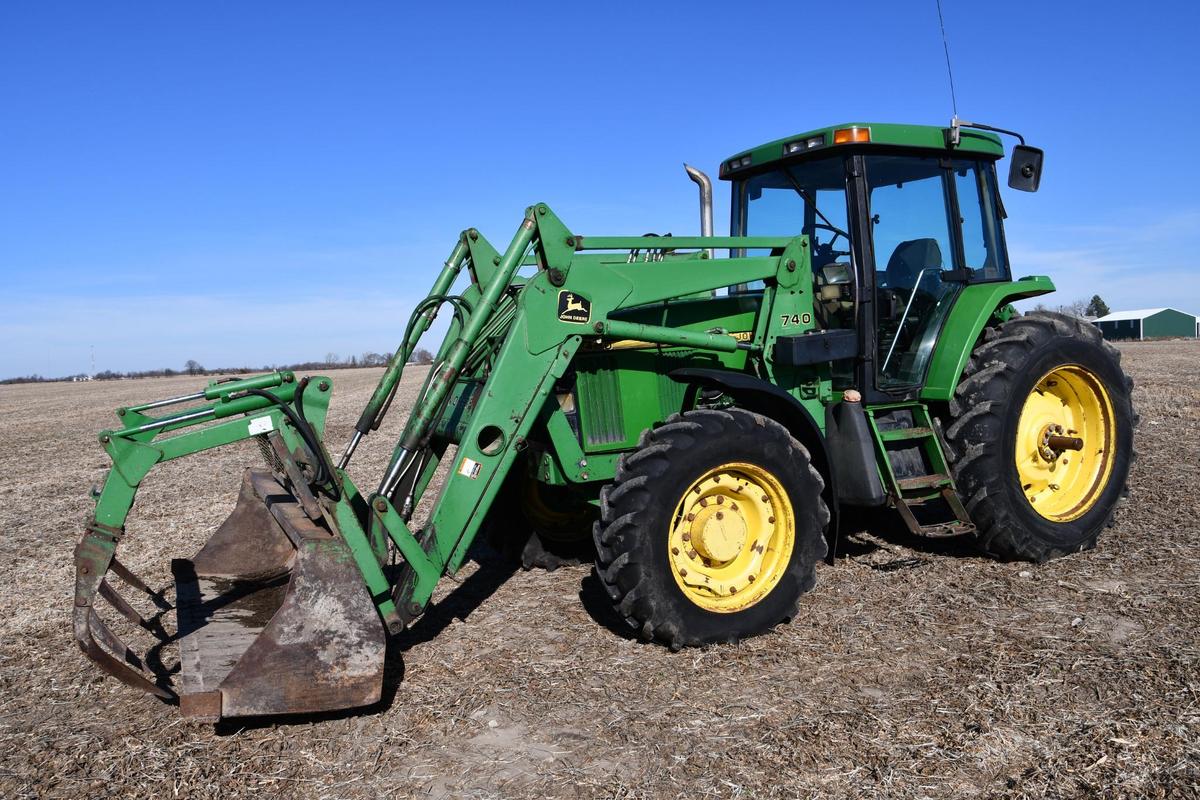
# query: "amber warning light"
[[849, 135]]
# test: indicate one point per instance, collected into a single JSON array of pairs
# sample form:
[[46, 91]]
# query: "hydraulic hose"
[[460, 314], [369, 420], [454, 356], [373, 414], [325, 472]]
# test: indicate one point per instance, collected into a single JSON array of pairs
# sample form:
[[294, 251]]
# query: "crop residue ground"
[[916, 669]]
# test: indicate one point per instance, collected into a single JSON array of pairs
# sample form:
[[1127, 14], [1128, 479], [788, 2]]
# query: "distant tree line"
[[193, 367], [1096, 307]]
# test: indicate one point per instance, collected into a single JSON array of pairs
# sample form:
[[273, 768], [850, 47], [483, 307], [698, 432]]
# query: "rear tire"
[[739, 497], [1029, 502]]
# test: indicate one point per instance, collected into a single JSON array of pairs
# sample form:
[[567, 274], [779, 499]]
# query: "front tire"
[[1041, 437], [711, 529]]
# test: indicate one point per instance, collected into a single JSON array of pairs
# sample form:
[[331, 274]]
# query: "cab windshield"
[[811, 198], [807, 198]]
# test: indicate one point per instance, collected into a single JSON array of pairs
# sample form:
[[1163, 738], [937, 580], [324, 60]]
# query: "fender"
[[968, 316], [763, 397]]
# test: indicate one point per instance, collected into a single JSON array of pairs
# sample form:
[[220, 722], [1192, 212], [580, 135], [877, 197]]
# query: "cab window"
[[983, 246]]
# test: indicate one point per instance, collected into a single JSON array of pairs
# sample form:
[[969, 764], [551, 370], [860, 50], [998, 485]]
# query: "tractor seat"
[[907, 261]]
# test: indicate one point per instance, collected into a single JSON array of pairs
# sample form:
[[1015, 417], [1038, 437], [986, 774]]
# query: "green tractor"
[[695, 423]]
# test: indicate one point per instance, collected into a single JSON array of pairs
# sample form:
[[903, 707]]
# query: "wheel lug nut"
[[674, 551], [703, 502], [765, 499], [720, 515], [720, 499], [770, 520], [690, 518], [687, 537], [683, 572], [750, 578]]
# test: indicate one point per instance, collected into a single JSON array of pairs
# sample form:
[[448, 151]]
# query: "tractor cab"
[[900, 219]]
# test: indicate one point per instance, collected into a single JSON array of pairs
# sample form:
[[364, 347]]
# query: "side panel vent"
[[600, 402]]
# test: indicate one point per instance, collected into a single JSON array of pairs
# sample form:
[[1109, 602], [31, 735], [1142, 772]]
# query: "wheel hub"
[[719, 535], [1055, 441]]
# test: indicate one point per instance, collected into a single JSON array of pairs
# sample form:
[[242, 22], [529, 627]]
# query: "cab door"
[[913, 263]]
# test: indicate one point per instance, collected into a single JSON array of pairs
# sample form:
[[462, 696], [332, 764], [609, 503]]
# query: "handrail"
[[681, 242], [904, 317]]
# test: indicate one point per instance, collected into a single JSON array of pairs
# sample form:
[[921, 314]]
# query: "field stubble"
[[914, 670]]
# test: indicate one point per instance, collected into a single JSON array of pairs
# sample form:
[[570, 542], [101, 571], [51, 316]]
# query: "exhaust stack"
[[706, 203]]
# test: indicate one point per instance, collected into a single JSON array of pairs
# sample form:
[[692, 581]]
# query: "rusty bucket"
[[272, 614]]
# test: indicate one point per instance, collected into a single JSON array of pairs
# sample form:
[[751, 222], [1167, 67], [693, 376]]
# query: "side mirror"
[[1025, 171]]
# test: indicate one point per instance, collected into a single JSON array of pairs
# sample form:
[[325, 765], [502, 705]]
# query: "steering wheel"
[[826, 248], [835, 231]]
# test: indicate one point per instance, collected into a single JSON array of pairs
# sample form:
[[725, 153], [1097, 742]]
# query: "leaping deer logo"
[[573, 308]]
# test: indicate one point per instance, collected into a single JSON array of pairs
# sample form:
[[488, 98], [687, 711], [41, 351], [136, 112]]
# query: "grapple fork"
[[94, 558], [272, 615]]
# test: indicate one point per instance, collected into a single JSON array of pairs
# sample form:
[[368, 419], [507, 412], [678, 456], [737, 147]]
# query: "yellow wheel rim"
[[552, 522], [731, 537], [1065, 443]]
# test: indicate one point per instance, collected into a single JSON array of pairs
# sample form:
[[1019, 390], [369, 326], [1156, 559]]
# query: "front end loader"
[[695, 423]]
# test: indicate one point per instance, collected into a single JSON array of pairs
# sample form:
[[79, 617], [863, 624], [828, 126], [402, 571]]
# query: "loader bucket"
[[272, 615]]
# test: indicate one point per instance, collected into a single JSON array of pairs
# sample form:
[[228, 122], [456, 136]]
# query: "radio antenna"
[[949, 71]]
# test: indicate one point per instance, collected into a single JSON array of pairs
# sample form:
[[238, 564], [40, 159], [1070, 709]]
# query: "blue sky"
[[253, 183]]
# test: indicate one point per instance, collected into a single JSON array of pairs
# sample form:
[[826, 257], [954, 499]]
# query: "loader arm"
[[287, 607], [577, 294]]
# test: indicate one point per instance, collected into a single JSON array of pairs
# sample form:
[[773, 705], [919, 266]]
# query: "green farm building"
[[1147, 323]]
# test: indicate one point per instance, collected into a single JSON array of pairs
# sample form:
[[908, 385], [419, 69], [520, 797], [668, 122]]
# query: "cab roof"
[[863, 135]]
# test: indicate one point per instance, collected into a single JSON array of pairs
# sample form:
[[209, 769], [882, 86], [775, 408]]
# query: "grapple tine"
[[93, 557], [128, 576], [125, 574], [113, 643], [129, 612], [84, 620]]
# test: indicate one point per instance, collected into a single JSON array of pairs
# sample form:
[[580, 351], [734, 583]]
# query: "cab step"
[[899, 434], [914, 471]]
